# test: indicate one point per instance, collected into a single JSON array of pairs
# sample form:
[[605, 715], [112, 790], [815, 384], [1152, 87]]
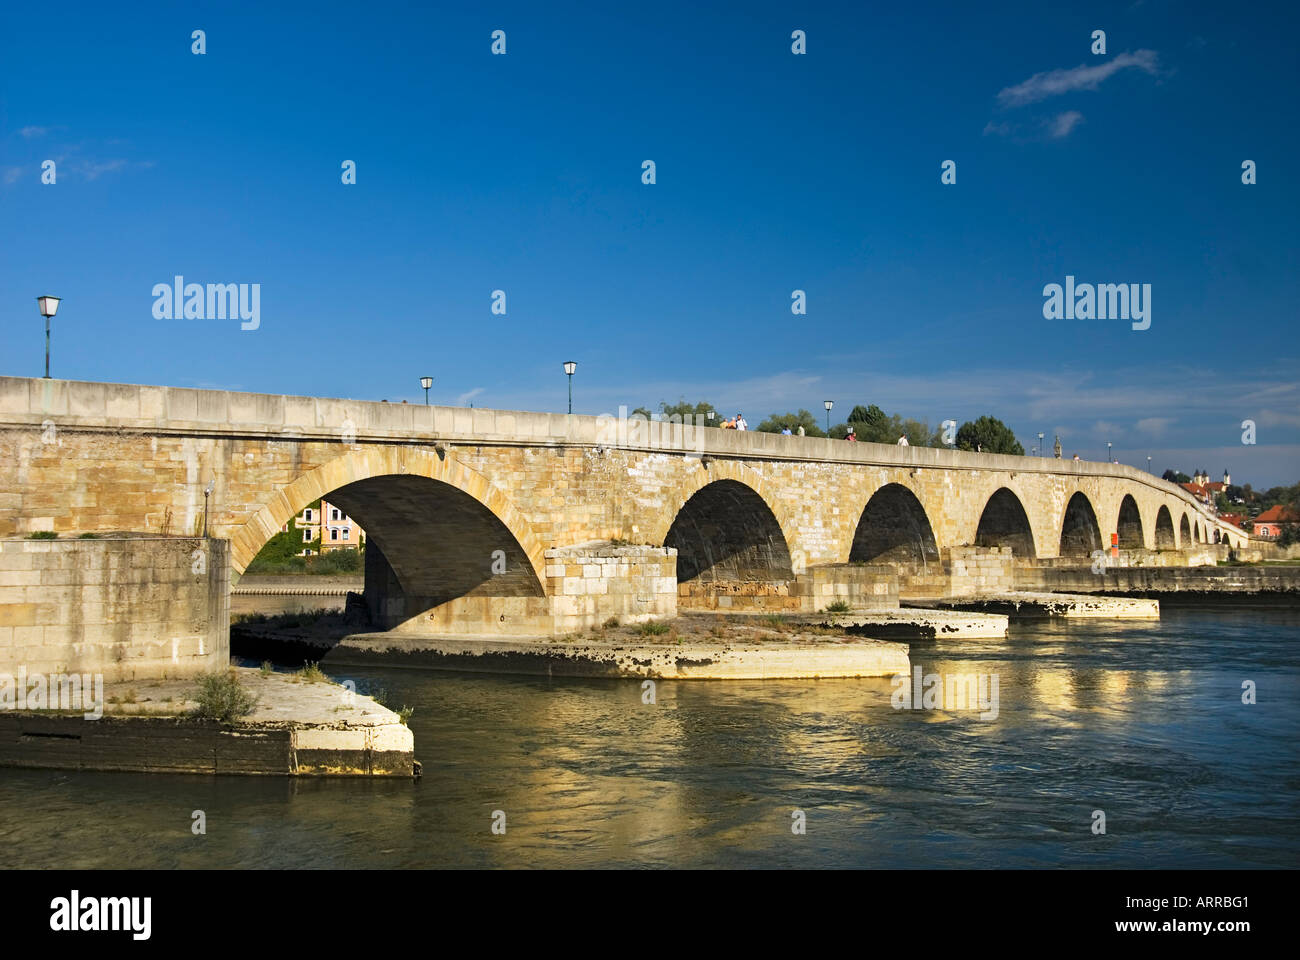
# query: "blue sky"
[[775, 172]]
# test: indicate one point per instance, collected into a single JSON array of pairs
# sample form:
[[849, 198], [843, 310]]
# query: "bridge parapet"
[[75, 404]]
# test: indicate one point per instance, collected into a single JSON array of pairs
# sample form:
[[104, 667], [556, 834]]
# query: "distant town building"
[[1200, 491], [330, 525], [1271, 522], [1236, 519]]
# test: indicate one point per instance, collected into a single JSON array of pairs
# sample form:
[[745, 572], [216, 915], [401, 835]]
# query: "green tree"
[[1175, 476], [680, 409], [779, 421], [990, 435], [871, 424]]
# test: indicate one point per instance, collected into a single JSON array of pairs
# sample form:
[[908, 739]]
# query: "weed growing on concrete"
[[220, 696], [43, 535], [88, 536], [312, 673], [839, 606], [610, 624], [652, 628], [405, 714], [267, 669]]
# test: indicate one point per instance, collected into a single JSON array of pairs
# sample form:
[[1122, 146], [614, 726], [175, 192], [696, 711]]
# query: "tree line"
[[869, 424]]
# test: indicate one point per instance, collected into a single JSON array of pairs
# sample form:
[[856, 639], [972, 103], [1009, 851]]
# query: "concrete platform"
[[1023, 605], [796, 656], [297, 729], [918, 624]]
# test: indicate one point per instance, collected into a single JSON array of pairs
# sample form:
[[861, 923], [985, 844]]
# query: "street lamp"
[[569, 367], [426, 382], [207, 492], [828, 404], [1148, 464], [1040, 444], [1109, 458], [49, 307]]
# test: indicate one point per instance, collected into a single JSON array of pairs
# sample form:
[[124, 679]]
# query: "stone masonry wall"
[[588, 584], [981, 570], [861, 586], [130, 609]]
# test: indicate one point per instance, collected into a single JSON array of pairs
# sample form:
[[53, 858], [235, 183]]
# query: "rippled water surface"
[[1143, 721]]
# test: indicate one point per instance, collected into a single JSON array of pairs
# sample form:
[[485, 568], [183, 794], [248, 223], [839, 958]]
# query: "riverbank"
[[299, 728], [690, 647]]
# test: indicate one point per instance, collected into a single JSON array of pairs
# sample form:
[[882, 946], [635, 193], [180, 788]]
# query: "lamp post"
[[569, 368], [207, 491], [49, 307], [1148, 464], [828, 404], [1109, 458], [426, 382], [1040, 444]]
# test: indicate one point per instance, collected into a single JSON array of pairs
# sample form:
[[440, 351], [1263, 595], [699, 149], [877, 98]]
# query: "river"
[[1141, 720]]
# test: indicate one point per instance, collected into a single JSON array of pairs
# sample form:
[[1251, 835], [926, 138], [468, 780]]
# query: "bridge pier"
[[586, 585]]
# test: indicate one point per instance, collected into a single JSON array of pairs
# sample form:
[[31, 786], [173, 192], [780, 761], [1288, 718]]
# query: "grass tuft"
[[220, 696]]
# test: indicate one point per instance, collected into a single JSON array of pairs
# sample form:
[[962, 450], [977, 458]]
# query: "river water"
[[1143, 721]]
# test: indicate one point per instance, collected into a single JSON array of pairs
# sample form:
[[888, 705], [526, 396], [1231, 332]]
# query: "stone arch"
[[1080, 531], [1004, 523], [1129, 524], [726, 531], [364, 464], [656, 529], [893, 528], [1165, 539], [1184, 532]]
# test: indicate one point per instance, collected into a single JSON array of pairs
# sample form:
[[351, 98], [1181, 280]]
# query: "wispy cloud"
[[1154, 426], [1052, 83], [94, 169], [31, 133], [1053, 128], [11, 175], [1060, 126], [467, 396]]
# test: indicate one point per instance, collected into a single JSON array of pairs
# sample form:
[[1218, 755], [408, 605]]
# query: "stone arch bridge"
[[495, 520]]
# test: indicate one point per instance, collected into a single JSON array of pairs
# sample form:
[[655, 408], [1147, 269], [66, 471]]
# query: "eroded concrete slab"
[[1020, 604], [298, 728], [919, 624], [795, 656]]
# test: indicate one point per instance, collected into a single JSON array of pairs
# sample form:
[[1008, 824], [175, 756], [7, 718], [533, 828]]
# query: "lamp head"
[[426, 382], [569, 367], [49, 305]]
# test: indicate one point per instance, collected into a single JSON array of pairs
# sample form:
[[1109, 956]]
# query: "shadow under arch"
[[726, 531], [1080, 531], [1184, 532], [894, 528], [434, 496], [1129, 524], [1164, 529], [1004, 523]]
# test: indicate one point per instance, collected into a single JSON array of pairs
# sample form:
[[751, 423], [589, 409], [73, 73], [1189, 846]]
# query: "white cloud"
[[30, 133], [1053, 83], [1061, 125], [1154, 426]]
